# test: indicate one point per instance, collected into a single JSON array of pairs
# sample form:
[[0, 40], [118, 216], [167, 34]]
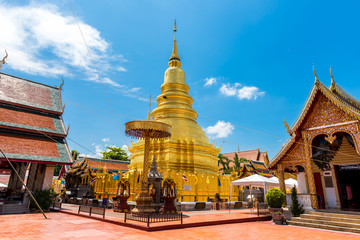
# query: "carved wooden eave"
[[282, 152]]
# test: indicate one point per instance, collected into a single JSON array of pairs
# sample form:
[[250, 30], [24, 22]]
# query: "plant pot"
[[277, 218], [274, 210]]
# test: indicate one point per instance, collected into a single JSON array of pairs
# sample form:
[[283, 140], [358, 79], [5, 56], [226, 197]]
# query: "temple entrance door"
[[349, 188], [319, 190]]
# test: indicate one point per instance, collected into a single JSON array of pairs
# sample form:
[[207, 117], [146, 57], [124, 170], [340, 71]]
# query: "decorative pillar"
[[310, 175], [280, 172]]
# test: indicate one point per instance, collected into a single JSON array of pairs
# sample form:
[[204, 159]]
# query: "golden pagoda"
[[188, 150]]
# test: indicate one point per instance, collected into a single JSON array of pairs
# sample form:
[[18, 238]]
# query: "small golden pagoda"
[[188, 149]]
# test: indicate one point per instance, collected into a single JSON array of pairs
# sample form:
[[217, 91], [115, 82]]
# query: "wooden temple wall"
[[206, 185]]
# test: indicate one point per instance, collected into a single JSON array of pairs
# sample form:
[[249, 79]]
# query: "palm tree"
[[237, 162], [224, 162]]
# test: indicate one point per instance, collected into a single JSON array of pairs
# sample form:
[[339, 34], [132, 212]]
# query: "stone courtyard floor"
[[65, 226]]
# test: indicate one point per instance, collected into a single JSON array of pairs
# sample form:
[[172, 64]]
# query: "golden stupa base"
[[143, 203]]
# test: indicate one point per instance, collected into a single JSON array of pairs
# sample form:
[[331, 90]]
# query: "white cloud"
[[42, 40], [209, 81], [121, 69], [126, 148], [241, 92], [227, 90], [221, 129], [105, 139]]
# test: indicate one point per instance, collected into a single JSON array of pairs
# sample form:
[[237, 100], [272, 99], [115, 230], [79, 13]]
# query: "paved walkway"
[[188, 216], [65, 226]]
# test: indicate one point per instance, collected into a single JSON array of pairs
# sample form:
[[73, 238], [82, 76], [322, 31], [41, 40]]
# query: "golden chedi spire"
[[174, 58], [188, 149]]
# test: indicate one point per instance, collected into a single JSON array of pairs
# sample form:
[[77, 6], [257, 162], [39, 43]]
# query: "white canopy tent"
[[289, 183], [254, 181]]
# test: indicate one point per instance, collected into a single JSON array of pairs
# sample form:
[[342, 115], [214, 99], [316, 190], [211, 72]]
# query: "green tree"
[[75, 154], [296, 208], [115, 153], [237, 162], [57, 170], [224, 162]]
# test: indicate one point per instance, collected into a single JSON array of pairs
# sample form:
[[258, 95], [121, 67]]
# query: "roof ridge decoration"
[[3, 60], [333, 84], [316, 78]]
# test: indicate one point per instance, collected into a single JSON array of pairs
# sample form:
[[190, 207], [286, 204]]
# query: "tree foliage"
[[115, 153], [224, 162], [275, 198], [237, 163], [75, 154], [296, 208]]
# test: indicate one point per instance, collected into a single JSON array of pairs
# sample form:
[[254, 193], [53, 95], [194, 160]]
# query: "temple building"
[[188, 151], [324, 149], [79, 178], [32, 133], [255, 162]]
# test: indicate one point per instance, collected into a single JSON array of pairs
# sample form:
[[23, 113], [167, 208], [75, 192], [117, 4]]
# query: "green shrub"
[[44, 198], [275, 198], [296, 207]]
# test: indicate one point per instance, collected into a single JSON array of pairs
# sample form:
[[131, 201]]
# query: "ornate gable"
[[324, 112]]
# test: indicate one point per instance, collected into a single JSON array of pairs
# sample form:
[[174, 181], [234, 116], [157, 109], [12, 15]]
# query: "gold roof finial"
[[2, 62], [332, 79], [174, 59], [287, 127], [316, 78], [149, 114]]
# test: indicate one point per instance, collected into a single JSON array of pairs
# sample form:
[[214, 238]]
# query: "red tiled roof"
[[26, 118], [28, 146], [19, 90], [23, 92], [262, 156], [22, 147], [109, 165], [249, 154]]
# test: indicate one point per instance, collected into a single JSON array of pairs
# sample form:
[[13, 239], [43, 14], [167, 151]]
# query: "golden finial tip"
[[316, 78], [175, 29]]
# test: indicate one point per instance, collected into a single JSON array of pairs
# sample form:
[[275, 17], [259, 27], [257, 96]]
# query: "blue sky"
[[258, 55]]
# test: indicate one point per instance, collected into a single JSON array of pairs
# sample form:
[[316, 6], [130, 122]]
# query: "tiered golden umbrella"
[[146, 130]]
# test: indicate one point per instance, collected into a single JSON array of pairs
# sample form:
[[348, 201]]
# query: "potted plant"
[[275, 199]]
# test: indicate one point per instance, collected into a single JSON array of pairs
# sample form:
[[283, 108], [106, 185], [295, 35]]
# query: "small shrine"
[[123, 195]]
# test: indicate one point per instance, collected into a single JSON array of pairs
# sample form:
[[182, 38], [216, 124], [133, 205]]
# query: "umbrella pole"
[[230, 196]]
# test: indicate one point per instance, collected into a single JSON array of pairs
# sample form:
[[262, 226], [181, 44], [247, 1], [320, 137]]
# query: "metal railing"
[[153, 217]]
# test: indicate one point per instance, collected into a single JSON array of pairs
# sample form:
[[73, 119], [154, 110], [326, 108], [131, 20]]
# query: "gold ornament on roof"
[[316, 78], [332, 87], [149, 114], [287, 127], [3, 60]]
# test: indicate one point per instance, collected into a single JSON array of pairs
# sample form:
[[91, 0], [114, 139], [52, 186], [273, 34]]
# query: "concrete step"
[[326, 222], [323, 226], [345, 219], [338, 215], [14, 208]]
